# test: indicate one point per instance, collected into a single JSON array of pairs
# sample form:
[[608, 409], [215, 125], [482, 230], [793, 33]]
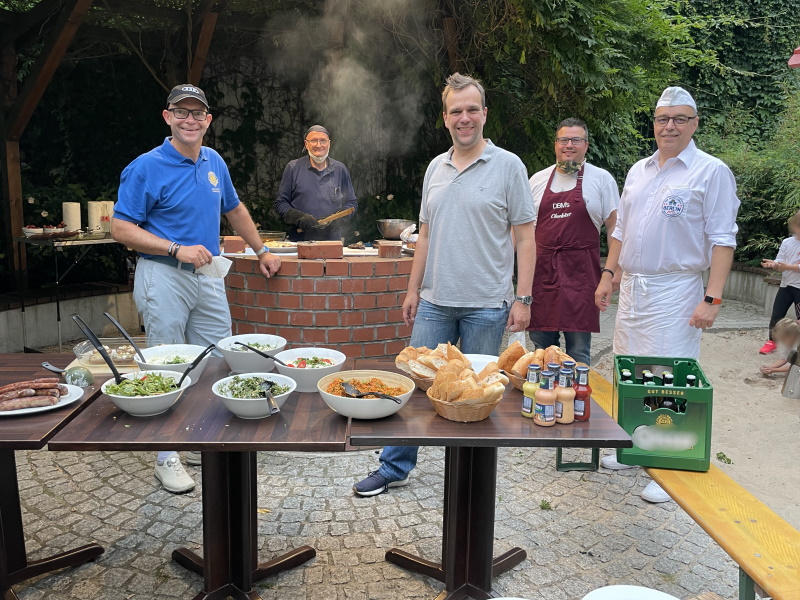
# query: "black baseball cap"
[[186, 90]]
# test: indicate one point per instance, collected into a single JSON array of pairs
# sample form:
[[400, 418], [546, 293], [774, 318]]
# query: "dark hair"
[[573, 122]]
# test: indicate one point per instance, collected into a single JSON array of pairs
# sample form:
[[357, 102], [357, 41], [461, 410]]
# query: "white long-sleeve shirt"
[[670, 218], [789, 253]]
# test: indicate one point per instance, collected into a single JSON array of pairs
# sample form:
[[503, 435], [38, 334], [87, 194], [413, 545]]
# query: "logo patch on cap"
[[212, 178], [189, 88]]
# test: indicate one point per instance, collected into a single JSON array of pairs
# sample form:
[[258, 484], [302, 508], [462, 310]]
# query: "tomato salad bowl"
[[309, 365]]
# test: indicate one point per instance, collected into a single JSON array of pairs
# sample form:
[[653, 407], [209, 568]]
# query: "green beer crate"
[[664, 438]]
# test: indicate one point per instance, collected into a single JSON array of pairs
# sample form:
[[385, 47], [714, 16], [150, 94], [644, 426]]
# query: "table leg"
[[230, 531], [467, 566], [14, 564]]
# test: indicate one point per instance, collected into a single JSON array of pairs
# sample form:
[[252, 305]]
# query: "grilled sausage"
[[41, 383], [30, 402], [17, 394]]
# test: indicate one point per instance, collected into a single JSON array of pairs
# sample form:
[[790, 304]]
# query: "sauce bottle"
[[544, 409], [529, 390], [555, 368], [565, 400], [583, 392], [569, 364]]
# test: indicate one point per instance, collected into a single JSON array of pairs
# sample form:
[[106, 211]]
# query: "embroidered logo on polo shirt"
[[672, 206], [212, 178]]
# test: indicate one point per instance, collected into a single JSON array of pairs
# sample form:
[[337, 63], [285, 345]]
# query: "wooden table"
[[30, 432], [470, 478], [199, 421]]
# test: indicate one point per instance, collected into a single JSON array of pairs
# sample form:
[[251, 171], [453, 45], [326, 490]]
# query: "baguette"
[[420, 370], [510, 356], [496, 378], [538, 357], [551, 355], [454, 353], [492, 367], [434, 362]]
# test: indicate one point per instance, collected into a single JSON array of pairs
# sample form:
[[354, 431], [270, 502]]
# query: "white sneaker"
[[172, 475], [655, 493], [193, 458], [610, 462]]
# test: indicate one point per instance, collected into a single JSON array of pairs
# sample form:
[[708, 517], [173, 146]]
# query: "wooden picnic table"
[[30, 432]]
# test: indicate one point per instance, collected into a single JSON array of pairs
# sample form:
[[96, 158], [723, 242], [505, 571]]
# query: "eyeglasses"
[[183, 113], [319, 142], [576, 141], [679, 120]]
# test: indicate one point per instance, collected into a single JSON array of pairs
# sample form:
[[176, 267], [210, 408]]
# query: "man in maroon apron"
[[572, 199]]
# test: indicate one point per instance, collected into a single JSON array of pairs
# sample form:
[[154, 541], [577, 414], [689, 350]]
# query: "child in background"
[[786, 335], [789, 293]]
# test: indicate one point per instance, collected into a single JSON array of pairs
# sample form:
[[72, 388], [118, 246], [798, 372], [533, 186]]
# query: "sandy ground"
[[756, 427]]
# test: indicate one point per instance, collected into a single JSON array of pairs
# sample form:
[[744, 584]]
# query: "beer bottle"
[[668, 401], [625, 376], [650, 402], [691, 381]]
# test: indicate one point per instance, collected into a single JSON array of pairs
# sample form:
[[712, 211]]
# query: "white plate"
[[73, 393], [479, 361], [408, 250]]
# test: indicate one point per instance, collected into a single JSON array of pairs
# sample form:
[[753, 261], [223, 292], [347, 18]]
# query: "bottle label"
[[527, 405], [545, 412], [559, 410], [580, 407], [562, 380]]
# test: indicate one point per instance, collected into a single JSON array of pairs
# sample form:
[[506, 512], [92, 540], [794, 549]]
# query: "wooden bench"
[[766, 548]]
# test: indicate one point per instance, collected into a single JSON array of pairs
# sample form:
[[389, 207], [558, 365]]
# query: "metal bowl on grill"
[[392, 228]]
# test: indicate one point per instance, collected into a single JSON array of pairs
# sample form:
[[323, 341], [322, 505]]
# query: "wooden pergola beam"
[[46, 64], [201, 49], [18, 116]]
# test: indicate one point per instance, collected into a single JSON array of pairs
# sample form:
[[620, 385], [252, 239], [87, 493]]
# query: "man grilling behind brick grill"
[[314, 187]]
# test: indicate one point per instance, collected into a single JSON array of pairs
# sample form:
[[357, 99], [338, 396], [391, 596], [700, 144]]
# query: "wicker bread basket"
[[423, 383], [463, 413], [515, 380]]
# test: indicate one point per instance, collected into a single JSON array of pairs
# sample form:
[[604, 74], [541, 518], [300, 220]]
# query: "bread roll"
[[492, 367], [521, 366], [538, 358], [434, 362], [496, 378], [551, 355], [454, 353], [510, 356]]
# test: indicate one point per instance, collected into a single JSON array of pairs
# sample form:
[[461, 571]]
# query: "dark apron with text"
[[567, 263]]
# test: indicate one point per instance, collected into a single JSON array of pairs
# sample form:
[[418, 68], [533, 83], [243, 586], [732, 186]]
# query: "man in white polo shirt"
[[676, 219]]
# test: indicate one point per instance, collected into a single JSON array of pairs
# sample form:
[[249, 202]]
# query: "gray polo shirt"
[[469, 215]]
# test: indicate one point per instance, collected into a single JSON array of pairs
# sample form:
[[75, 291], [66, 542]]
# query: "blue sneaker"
[[375, 484]]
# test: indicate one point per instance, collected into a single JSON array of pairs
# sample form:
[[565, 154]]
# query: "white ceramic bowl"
[[366, 408], [307, 378], [191, 351], [479, 361], [148, 406], [247, 361], [253, 408], [28, 231]]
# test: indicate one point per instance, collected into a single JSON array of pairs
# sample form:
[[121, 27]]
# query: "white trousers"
[[179, 307], [654, 312]]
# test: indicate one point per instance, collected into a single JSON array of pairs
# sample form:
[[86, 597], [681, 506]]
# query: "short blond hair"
[[457, 81], [786, 328]]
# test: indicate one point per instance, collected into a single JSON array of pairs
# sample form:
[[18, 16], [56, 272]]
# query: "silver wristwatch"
[[526, 300]]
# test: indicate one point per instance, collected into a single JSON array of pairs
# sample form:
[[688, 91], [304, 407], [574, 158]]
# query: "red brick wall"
[[351, 304]]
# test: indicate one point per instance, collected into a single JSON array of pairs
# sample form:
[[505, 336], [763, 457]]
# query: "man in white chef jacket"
[[676, 219]]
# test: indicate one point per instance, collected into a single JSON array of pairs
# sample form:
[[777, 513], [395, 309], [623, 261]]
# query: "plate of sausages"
[[36, 395]]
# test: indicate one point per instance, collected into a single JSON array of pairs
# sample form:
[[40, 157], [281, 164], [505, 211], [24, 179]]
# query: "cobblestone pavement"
[[598, 532]]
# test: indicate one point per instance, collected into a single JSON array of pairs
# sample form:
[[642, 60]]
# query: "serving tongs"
[[98, 346], [351, 391], [126, 336], [266, 389], [196, 362], [264, 354]]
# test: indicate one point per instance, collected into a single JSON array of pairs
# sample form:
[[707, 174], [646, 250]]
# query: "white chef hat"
[[676, 96]]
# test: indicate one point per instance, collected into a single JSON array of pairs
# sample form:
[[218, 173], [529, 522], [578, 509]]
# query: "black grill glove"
[[303, 220]]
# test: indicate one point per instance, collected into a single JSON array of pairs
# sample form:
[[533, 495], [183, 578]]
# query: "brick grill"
[[351, 304]]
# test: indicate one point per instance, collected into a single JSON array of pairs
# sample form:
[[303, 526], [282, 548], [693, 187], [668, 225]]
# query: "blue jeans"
[[578, 343], [480, 331]]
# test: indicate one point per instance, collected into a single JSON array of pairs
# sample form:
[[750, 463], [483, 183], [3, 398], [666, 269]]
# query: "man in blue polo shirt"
[[313, 188], [168, 210]]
